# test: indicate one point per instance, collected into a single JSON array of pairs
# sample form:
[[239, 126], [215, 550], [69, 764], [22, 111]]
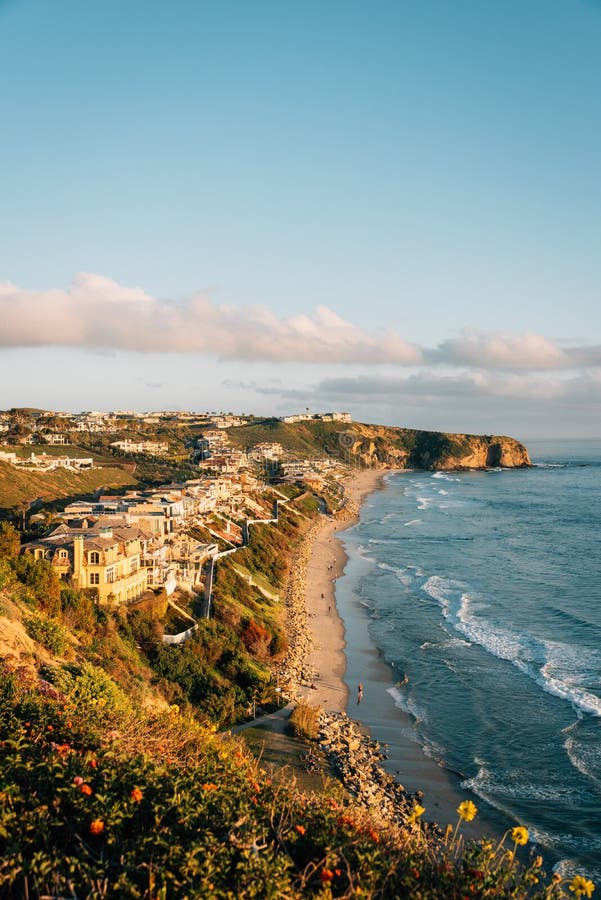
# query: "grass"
[[18, 486]]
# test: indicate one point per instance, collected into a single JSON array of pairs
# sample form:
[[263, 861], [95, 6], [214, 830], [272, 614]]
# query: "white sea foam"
[[441, 491], [452, 642], [540, 660], [424, 502], [412, 522], [407, 705], [587, 760]]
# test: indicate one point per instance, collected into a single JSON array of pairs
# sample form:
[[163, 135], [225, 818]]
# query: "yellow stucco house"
[[109, 560]]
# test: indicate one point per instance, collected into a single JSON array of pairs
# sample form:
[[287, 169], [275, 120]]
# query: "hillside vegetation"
[[369, 445], [21, 486], [116, 782]]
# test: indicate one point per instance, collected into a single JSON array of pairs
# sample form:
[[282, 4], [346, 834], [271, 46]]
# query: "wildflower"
[[581, 885], [300, 829], [93, 764], [327, 875], [136, 794], [520, 835], [86, 789], [417, 812], [467, 810], [537, 862], [209, 786], [96, 827], [374, 836], [77, 780]]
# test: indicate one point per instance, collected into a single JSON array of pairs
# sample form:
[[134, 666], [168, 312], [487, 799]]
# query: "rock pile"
[[356, 759]]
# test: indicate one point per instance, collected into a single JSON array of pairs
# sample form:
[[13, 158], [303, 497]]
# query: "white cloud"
[[101, 314], [502, 351], [98, 312]]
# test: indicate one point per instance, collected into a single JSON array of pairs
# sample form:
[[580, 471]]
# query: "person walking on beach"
[[359, 693]]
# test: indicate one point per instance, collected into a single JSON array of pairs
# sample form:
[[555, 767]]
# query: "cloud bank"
[[97, 312]]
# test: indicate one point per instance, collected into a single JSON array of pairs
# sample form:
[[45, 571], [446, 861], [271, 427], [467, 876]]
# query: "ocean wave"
[[542, 661], [586, 760], [407, 705], [452, 642], [411, 522], [524, 790], [425, 502]]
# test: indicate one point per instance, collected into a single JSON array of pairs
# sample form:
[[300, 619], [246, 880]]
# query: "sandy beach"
[[328, 667], [327, 660]]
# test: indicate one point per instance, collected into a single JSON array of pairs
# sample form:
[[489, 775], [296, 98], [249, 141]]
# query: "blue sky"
[[392, 208]]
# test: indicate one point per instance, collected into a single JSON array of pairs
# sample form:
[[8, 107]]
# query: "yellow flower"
[[467, 810], [417, 812], [581, 885], [520, 835]]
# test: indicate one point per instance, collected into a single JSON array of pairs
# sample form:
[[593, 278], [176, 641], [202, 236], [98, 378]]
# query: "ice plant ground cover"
[[87, 812]]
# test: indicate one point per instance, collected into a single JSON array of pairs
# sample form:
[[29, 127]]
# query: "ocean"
[[480, 595]]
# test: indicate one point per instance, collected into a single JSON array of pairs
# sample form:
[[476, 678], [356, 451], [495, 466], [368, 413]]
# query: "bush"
[[304, 721], [47, 632]]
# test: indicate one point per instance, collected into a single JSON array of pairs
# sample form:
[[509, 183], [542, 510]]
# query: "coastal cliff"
[[386, 446]]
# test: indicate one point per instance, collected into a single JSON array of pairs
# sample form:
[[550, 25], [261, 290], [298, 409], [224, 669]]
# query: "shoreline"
[[333, 649], [326, 562]]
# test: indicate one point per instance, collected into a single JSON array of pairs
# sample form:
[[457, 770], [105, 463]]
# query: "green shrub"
[[47, 632]]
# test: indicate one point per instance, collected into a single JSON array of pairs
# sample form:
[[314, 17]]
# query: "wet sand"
[[344, 655]]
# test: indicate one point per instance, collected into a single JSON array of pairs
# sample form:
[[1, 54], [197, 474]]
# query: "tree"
[[10, 542]]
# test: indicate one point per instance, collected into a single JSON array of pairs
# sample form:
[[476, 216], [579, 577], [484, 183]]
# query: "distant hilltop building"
[[152, 448], [318, 417]]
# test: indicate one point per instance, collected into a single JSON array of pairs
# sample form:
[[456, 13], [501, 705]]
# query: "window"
[[134, 566], [110, 575], [94, 578], [94, 557]]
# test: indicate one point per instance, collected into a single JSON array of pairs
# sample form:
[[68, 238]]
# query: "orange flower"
[[97, 826], [300, 829], [136, 794], [346, 820], [374, 836], [69, 724], [86, 789], [209, 787], [326, 875], [77, 780], [93, 763]]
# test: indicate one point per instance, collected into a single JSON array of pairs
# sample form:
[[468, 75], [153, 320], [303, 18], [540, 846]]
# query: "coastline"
[[327, 559], [333, 652]]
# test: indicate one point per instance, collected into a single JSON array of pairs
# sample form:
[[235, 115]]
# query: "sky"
[[391, 208]]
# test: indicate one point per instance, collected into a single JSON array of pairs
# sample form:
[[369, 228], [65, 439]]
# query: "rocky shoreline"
[[356, 759], [353, 755]]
